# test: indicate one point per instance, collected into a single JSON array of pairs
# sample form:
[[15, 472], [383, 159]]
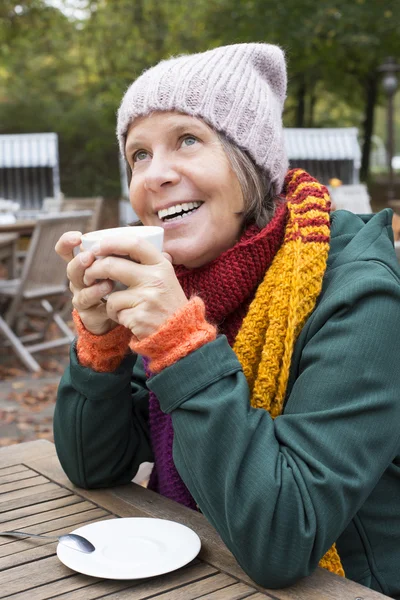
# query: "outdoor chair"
[[8, 252], [352, 197], [55, 206], [34, 300], [51, 205], [94, 204]]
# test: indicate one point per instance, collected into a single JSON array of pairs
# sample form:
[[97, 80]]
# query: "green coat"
[[278, 492]]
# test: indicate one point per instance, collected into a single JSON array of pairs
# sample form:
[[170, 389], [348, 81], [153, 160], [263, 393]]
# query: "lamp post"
[[389, 83]]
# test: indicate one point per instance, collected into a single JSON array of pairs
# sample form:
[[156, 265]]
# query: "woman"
[[255, 361]]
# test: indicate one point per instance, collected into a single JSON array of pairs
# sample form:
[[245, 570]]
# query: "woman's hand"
[[153, 292], [86, 300]]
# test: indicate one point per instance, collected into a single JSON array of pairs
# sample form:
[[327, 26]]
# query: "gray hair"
[[259, 200]]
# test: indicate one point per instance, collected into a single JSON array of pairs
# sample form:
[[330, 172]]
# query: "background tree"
[[334, 49], [68, 74]]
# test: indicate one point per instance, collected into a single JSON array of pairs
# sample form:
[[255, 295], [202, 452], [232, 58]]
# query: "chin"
[[182, 255], [178, 260], [189, 262]]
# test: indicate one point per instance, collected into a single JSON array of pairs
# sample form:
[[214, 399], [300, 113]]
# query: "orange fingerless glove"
[[182, 333], [102, 353]]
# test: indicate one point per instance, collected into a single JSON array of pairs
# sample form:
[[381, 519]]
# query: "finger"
[[138, 250], [118, 301], [137, 321], [66, 244], [120, 269], [89, 297], [140, 312], [76, 268], [132, 318]]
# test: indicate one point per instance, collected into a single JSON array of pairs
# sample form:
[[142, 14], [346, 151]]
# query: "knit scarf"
[[259, 293]]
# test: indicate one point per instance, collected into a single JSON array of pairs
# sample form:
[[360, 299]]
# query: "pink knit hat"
[[239, 90]]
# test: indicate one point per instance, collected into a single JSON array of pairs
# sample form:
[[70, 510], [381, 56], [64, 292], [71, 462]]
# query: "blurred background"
[[64, 65]]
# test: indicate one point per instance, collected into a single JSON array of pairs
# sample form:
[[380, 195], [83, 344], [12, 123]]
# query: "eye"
[[140, 155], [189, 140]]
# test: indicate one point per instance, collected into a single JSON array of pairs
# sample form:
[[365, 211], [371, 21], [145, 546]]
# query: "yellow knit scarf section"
[[284, 301]]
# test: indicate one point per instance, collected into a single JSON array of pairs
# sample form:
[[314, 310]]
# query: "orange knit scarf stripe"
[[285, 300]]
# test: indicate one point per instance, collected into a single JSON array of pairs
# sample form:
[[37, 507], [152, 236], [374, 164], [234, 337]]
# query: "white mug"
[[154, 235]]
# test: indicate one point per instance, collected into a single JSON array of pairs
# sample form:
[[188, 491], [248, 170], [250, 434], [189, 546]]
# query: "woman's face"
[[182, 181]]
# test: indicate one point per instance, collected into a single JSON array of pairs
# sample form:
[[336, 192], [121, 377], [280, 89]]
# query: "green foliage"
[[68, 75], [331, 45]]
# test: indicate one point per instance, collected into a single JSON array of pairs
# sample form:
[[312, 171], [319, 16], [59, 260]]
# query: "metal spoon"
[[72, 540]]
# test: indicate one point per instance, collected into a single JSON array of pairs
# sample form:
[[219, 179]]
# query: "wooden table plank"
[[49, 591], [111, 499], [56, 527], [46, 517], [234, 592], [19, 476], [26, 556], [13, 469], [23, 484], [259, 596], [25, 577], [326, 586], [72, 588], [27, 543], [21, 226], [62, 587], [36, 509], [13, 455], [219, 582], [171, 585], [53, 572], [32, 496]]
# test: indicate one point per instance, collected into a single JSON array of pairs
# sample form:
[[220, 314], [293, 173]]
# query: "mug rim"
[[147, 230]]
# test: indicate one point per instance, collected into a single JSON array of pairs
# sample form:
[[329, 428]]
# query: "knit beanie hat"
[[238, 90]]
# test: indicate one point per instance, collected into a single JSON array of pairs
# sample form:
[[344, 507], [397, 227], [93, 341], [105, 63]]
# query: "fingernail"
[[105, 287], [85, 257], [96, 248]]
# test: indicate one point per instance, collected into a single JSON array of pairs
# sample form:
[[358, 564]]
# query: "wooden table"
[[8, 252], [22, 226], [36, 496]]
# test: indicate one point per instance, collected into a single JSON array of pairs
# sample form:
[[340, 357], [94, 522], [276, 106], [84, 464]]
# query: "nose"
[[160, 173]]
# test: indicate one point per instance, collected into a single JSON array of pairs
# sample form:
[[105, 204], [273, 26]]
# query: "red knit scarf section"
[[227, 285]]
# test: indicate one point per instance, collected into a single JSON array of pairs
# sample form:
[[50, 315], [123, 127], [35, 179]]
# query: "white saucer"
[[132, 548]]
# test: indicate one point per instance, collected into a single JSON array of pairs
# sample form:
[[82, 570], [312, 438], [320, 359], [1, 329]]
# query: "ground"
[[27, 399]]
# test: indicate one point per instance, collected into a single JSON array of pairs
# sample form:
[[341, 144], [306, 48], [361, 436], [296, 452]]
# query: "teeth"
[[174, 209], [178, 208]]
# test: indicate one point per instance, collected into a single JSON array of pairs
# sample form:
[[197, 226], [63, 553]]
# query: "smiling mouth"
[[178, 211]]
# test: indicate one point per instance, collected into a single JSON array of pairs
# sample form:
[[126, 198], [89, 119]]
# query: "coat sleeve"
[[101, 423], [280, 492]]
